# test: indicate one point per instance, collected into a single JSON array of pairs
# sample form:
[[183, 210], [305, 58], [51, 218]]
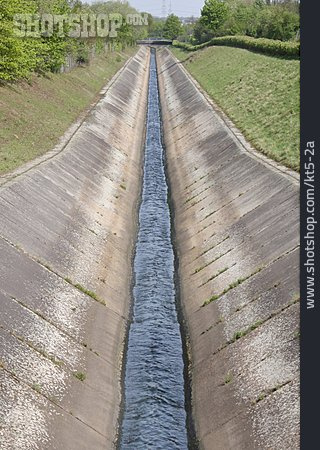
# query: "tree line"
[[19, 57], [268, 19]]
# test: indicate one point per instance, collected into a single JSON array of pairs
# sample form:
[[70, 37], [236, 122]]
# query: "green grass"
[[36, 387], [34, 116], [231, 286], [87, 292], [228, 378], [259, 93], [242, 333], [82, 289], [80, 376]]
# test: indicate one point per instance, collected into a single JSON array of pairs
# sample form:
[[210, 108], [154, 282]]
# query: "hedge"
[[262, 45]]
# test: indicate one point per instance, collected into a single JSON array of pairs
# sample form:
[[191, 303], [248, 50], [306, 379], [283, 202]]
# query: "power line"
[[191, 12], [164, 8]]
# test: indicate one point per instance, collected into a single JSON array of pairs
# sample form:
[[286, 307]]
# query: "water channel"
[[154, 411]]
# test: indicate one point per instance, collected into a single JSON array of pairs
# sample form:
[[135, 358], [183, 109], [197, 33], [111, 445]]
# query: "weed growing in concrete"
[[46, 266], [57, 362], [297, 334], [123, 187], [261, 397], [89, 293], [228, 378], [240, 334], [232, 286], [81, 376], [211, 299], [264, 394], [295, 298], [36, 387], [82, 289]]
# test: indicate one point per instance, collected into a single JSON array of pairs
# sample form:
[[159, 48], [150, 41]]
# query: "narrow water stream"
[[154, 415]]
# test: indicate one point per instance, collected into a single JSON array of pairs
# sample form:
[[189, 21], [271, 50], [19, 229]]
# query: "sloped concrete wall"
[[237, 227], [67, 229]]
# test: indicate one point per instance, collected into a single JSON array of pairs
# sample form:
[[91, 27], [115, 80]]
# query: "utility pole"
[[164, 9]]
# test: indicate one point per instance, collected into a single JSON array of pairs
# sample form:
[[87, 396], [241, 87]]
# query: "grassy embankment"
[[34, 116], [259, 93]]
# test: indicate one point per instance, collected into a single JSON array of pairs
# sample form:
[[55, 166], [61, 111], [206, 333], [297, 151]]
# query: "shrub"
[[261, 45]]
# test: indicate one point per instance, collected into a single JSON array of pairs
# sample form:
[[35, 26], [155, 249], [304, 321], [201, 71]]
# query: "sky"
[[182, 8]]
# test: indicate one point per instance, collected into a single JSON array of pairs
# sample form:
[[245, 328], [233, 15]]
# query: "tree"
[[187, 32], [202, 33], [156, 28], [214, 14], [172, 27]]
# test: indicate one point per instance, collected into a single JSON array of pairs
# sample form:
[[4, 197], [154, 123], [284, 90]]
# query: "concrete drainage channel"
[[155, 415], [67, 236]]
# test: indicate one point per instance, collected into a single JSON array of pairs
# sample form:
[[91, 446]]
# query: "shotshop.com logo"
[[83, 26]]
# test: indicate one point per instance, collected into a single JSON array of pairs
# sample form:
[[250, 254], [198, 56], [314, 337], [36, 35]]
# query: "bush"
[[261, 45]]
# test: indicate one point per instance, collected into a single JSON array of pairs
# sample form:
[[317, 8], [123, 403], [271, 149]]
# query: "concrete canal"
[[154, 415], [70, 241]]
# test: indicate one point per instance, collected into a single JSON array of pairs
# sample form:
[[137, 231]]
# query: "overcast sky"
[[181, 8]]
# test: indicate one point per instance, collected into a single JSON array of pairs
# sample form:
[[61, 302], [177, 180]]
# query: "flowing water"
[[154, 411]]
